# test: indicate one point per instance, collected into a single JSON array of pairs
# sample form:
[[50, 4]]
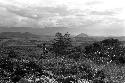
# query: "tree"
[[61, 43]]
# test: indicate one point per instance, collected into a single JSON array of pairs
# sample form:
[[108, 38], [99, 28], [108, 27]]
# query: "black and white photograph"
[[62, 41]]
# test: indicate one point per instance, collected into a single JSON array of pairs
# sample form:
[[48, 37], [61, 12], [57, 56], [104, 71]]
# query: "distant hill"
[[38, 31], [82, 35], [48, 33], [100, 38], [18, 35]]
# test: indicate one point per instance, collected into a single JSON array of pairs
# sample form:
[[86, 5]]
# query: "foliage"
[[61, 43], [18, 63], [14, 70], [76, 53], [110, 49]]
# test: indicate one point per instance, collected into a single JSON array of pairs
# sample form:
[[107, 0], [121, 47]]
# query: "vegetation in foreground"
[[62, 62]]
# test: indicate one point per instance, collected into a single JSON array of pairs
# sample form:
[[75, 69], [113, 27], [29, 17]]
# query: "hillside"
[[18, 35], [82, 35], [37, 31]]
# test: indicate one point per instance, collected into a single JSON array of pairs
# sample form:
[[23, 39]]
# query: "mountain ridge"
[[49, 32], [82, 35]]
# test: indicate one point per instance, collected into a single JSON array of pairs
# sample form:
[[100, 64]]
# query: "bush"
[[110, 49]]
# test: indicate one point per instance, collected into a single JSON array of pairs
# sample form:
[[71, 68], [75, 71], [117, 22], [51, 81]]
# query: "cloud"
[[57, 16], [6, 18], [92, 16], [10, 19], [39, 16], [38, 12], [60, 15], [94, 2], [104, 30], [102, 12], [47, 16]]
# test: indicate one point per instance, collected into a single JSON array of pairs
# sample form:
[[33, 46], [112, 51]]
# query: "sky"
[[94, 17]]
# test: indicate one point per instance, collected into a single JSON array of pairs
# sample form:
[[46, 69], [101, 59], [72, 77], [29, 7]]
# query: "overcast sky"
[[95, 17]]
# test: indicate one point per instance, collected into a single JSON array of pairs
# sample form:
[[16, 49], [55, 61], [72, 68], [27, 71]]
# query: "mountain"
[[46, 33], [49, 33], [100, 38], [18, 35], [82, 35], [43, 30], [37, 31]]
